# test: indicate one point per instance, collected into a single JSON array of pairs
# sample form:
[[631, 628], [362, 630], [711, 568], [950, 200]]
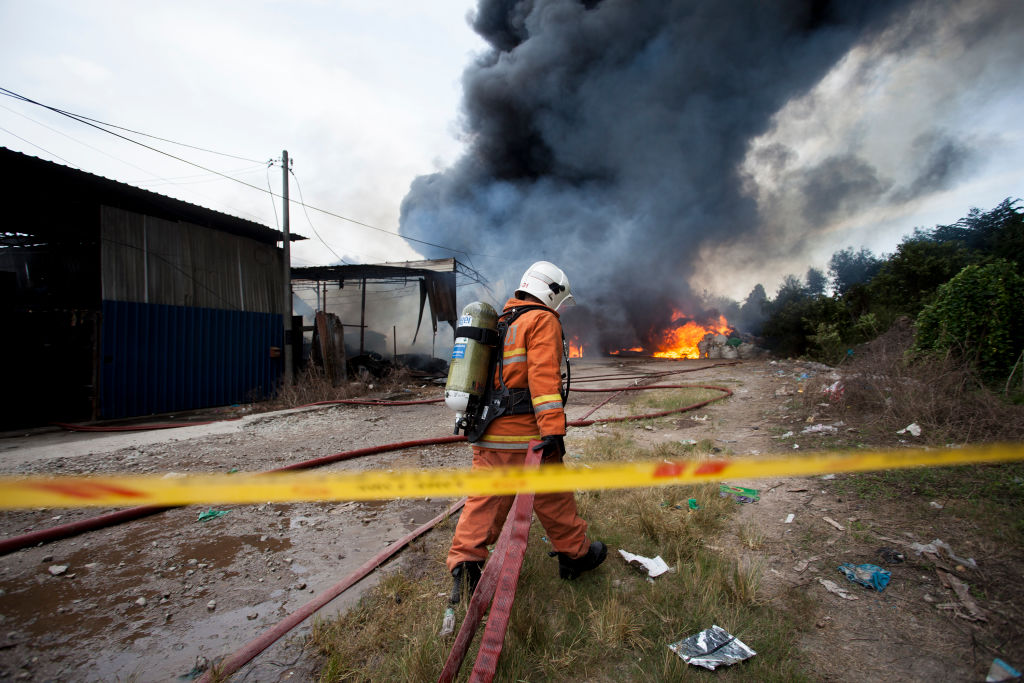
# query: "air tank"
[[467, 374]]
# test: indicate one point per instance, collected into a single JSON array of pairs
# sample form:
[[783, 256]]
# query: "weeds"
[[608, 625], [311, 385], [942, 394]]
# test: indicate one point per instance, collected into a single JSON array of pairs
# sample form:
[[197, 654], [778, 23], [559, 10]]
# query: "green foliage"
[[978, 314], [909, 278], [870, 293], [848, 268]]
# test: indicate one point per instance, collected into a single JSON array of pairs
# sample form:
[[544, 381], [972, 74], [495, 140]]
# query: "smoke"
[[613, 138]]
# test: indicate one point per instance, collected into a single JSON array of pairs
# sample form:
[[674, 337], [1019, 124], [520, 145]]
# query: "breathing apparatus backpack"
[[477, 359]]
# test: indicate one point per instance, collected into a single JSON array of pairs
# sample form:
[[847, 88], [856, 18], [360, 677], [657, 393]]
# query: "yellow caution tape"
[[113, 491]]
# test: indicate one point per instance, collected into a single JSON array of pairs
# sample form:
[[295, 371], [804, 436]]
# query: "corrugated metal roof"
[[30, 180]]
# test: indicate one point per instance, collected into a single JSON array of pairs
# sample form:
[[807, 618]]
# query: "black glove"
[[553, 448]]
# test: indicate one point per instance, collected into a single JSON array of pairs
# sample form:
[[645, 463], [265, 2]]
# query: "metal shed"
[[121, 302]]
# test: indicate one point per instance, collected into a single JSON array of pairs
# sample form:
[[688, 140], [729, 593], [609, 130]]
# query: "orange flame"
[[575, 348], [635, 349], [681, 342]]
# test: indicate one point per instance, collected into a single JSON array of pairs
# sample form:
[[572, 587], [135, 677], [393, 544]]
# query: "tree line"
[[962, 284]]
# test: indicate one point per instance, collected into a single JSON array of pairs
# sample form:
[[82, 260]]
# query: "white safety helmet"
[[547, 282]]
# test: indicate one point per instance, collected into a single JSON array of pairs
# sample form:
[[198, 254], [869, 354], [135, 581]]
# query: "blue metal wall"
[[158, 358]]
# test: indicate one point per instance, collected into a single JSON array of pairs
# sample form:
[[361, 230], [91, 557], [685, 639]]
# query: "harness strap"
[[504, 401]]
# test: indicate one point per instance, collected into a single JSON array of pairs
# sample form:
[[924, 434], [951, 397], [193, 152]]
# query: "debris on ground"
[[891, 556], [802, 564], [869, 575], [653, 566], [692, 504], [1001, 671], [739, 493], [833, 587], [834, 523], [712, 648], [448, 624], [962, 590], [789, 518], [935, 546], [819, 429], [913, 429], [211, 514]]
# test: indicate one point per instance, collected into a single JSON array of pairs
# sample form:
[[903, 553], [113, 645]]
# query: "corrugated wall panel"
[[152, 260], [159, 358]]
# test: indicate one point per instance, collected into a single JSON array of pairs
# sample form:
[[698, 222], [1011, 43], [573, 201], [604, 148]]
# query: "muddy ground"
[[151, 599]]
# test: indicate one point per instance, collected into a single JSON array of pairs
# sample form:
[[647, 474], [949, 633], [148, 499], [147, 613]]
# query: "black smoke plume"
[[607, 137]]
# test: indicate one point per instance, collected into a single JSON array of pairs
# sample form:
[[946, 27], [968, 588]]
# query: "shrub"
[[977, 315]]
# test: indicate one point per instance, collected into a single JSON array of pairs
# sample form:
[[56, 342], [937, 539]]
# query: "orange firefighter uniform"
[[532, 358]]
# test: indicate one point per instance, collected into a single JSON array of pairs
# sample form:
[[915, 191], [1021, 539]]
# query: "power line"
[[90, 122], [118, 159], [40, 148], [308, 220], [82, 117]]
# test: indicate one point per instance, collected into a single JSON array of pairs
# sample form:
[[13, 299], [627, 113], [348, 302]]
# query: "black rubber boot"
[[569, 568], [465, 577]]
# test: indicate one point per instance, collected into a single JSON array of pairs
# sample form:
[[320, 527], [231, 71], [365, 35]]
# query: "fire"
[[681, 342], [575, 348]]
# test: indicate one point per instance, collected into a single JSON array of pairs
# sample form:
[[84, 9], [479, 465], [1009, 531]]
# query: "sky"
[[364, 96], [367, 97]]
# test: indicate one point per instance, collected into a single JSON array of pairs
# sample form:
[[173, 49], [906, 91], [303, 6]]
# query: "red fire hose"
[[248, 652]]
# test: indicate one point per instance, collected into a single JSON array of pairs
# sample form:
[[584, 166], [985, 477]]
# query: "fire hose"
[[507, 579]]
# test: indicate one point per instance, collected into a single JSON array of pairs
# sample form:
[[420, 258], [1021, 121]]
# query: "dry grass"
[[611, 624], [889, 389], [312, 386]]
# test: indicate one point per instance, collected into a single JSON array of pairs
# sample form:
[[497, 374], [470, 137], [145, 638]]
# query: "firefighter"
[[532, 356]]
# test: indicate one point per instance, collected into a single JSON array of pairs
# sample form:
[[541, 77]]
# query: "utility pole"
[[287, 303]]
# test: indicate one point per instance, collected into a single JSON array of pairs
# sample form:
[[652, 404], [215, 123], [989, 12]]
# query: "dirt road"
[[148, 600]]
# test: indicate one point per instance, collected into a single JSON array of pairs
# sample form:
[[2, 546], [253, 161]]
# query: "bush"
[[978, 316]]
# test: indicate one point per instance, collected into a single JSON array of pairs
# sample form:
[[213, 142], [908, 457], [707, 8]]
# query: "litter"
[[211, 514], [834, 392], [789, 518], [834, 523], [833, 587], [869, 575], [448, 624], [711, 648], [654, 567], [891, 556], [828, 477], [819, 428], [913, 428], [692, 503], [741, 494], [786, 435], [800, 566], [937, 545], [962, 591], [1001, 671], [936, 505]]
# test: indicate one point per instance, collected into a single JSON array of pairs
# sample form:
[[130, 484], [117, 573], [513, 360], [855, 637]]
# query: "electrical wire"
[[273, 204], [118, 159], [308, 220], [42, 149], [82, 117], [94, 124]]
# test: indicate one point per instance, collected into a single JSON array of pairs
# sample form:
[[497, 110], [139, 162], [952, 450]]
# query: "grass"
[[611, 624], [990, 496], [669, 399]]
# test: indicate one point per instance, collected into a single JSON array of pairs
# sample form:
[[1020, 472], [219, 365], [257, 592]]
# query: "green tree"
[[816, 282], [909, 279], [848, 268], [978, 315]]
